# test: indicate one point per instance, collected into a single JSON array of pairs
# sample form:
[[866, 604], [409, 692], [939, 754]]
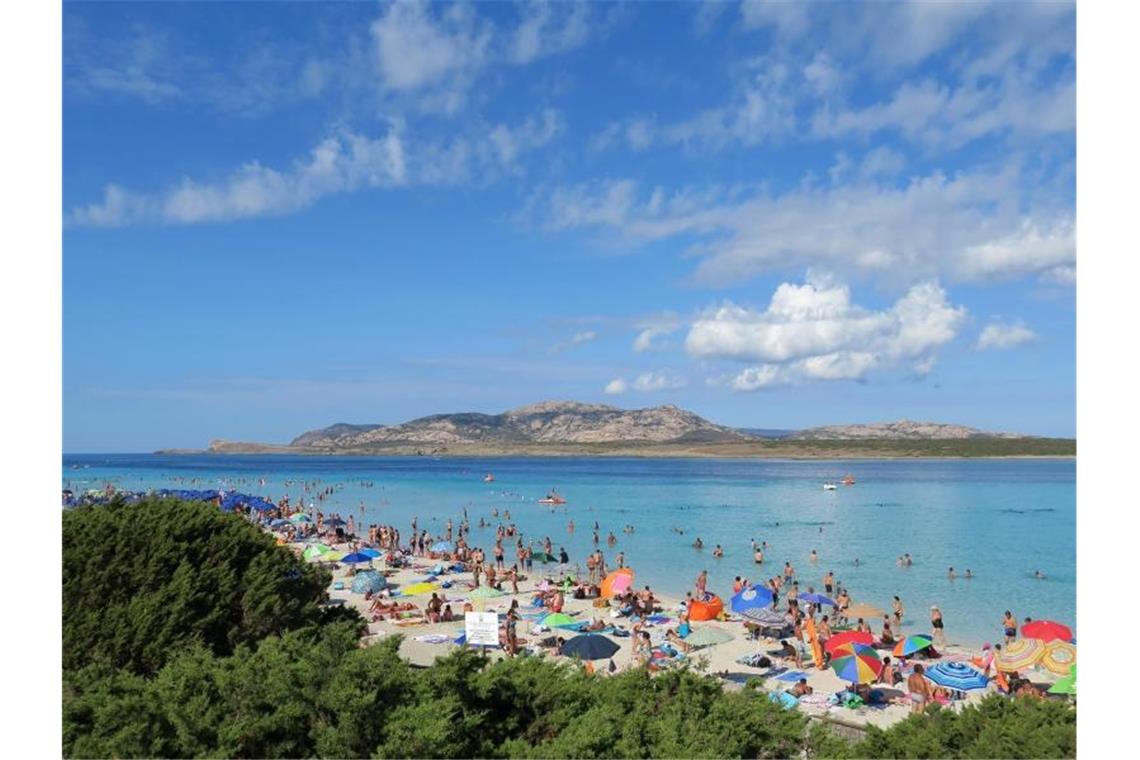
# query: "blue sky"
[[280, 216]]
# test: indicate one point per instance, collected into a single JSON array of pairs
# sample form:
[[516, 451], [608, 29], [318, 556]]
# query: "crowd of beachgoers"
[[817, 650]]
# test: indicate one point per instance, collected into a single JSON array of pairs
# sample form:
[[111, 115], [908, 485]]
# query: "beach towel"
[[433, 638], [793, 675]]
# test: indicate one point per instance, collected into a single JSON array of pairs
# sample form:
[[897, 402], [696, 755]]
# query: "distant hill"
[[546, 422], [903, 430], [773, 434]]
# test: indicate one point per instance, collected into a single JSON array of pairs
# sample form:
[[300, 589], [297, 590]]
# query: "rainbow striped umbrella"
[[857, 663], [912, 644], [1019, 655], [1059, 657]]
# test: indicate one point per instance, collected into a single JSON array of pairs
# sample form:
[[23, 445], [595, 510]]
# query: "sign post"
[[482, 628]]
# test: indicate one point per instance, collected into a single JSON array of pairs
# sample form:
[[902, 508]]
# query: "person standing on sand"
[[919, 690], [702, 583], [591, 567], [1009, 625], [937, 624]]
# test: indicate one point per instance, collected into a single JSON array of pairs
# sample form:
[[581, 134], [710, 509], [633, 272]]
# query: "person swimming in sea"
[[718, 552], [698, 544]]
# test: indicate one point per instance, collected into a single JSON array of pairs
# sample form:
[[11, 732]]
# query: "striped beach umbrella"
[[765, 616], [1019, 655], [1046, 630], [751, 598], [912, 644], [856, 663], [956, 675], [1059, 657], [846, 637]]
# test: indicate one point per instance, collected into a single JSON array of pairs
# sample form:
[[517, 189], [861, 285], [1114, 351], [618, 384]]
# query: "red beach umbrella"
[[1046, 630], [846, 637]]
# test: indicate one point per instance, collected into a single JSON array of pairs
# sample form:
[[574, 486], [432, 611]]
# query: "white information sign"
[[482, 628]]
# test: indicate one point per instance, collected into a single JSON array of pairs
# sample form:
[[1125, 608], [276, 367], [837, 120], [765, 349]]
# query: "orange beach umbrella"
[[617, 582]]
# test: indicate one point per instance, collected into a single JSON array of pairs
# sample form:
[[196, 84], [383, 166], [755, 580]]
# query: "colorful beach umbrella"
[[558, 620], [1046, 630], [486, 592], [707, 636], [865, 611], [355, 558], [590, 646], [316, 551], [617, 582], [418, 588], [956, 675], [817, 599], [911, 644], [1059, 657], [856, 663], [751, 598], [847, 637], [1019, 655]]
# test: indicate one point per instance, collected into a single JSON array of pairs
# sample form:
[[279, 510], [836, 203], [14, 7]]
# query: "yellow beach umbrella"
[[1019, 655], [418, 588], [1059, 657]]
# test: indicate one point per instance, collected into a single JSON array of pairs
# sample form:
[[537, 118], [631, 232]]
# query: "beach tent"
[[590, 646], [1059, 657], [751, 598], [368, 580], [617, 582], [706, 610], [956, 675]]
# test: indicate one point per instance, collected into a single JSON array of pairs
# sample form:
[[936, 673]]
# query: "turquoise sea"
[[1002, 519]]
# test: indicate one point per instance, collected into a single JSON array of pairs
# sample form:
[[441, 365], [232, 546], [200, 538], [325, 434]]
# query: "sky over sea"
[[284, 215]]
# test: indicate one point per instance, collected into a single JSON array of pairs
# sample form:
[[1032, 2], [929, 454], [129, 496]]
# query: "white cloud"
[[548, 28], [814, 332], [534, 133], [617, 385], [414, 50], [577, 339], [969, 227], [1064, 275], [650, 331], [646, 382], [1000, 336]]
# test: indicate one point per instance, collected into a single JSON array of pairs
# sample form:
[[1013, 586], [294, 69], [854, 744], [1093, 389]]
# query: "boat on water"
[[848, 480], [552, 498], [488, 478], [830, 487]]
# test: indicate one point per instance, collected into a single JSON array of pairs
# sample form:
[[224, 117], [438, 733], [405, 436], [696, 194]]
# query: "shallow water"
[[1003, 519]]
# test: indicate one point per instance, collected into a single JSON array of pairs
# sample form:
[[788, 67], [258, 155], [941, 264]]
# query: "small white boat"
[[830, 487]]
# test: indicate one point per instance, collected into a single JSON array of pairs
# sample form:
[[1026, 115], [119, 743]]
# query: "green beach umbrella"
[[558, 620], [707, 636], [315, 551], [1066, 685], [332, 556]]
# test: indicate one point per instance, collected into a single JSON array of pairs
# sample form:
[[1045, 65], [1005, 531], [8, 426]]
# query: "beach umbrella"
[[1059, 657], [354, 558], [617, 582], [368, 580], [315, 551], [590, 646], [865, 611], [1019, 655], [373, 553], [280, 522], [1046, 630], [300, 517], [956, 675], [1066, 685], [817, 599], [707, 636], [486, 592], [545, 557], [912, 644], [418, 588], [846, 637], [856, 663], [558, 620], [334, 522], [751, 598], [765, 616], [443, 546], [332, 556]]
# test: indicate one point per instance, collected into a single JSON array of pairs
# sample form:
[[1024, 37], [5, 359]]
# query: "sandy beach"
[[424, 642]]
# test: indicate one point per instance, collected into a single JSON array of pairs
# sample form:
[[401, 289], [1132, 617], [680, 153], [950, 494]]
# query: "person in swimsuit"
[[828, 580], [969, 574], [937, 625], [952, 575], [897, 605], [887, 638], [789, 571], [919, 690], [698, 544], [800, 689], [814, 556], [1009, 625], [718, 552]]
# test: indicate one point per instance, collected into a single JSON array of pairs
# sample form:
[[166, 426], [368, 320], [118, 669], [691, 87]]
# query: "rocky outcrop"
[[901, 430], [546, 422]]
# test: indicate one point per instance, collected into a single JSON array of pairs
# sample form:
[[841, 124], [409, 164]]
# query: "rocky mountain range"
[[903, 430]]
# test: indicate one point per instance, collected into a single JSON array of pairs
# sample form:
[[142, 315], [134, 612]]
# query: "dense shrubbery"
[[214, 647], [140, 580]]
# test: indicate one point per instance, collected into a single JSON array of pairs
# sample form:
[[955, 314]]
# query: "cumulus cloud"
[[966, 227], [1000, 336], [646, 382], [814, 332]]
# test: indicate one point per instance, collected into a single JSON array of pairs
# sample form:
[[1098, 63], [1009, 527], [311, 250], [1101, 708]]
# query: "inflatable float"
[[706, 610]]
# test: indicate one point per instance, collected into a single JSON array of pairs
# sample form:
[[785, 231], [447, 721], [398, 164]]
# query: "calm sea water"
[[1003, 519]]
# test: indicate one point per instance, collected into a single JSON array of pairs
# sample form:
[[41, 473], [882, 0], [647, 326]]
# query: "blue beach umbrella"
[[956, 675], [334, 522], [817, 599], [355, 557], [368, 580], [373, 553], [590, 646], [442, 546], [751, 598]]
